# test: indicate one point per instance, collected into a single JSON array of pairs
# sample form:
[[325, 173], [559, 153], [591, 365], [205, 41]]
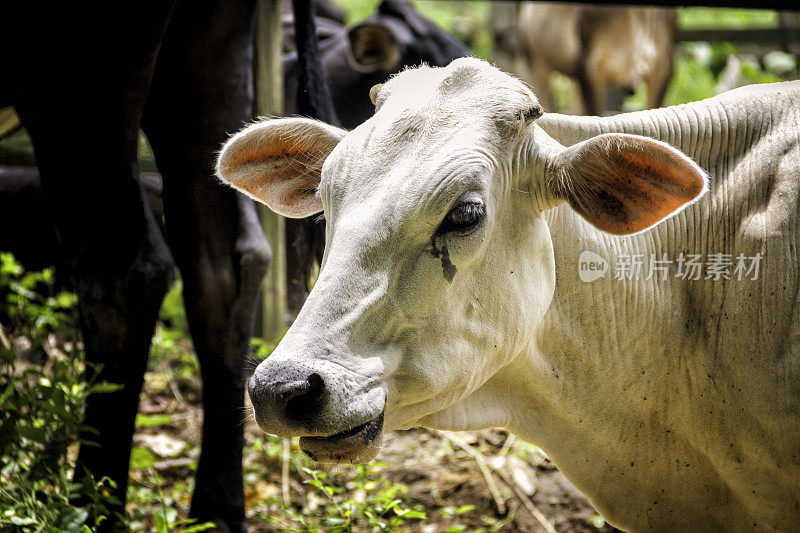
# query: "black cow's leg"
[[305, 239], [85, 137], [202, 92]]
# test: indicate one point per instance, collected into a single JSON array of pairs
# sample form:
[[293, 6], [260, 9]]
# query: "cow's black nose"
[[297, 400]]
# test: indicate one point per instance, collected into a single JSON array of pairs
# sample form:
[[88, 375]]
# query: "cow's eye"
[[463, 218]]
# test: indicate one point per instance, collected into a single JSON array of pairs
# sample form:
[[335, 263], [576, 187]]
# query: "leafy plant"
[[158, 504], [378, 506], [347, 499], [41, 408]]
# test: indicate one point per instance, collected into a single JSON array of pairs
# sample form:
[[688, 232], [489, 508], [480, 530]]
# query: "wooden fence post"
[[269, 101]]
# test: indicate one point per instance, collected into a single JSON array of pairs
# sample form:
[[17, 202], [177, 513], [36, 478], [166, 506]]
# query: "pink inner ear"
[[632, 186], [265, 153], [283, 174]]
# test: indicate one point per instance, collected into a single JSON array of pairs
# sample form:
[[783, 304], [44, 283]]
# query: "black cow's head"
[[398, 35]]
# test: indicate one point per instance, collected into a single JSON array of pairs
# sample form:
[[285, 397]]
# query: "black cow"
[[84, 78]]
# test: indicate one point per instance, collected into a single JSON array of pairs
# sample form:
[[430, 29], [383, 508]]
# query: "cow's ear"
[[624, 184], [373, 47], [279, 163]]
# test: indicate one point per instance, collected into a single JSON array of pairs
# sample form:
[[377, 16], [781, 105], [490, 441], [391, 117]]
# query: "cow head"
[[438, 264]]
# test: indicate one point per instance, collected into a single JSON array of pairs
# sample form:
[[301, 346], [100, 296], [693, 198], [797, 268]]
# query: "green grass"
[[356, 10]]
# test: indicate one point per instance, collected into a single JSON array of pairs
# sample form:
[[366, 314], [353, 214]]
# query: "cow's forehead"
[[431, 125], [465, 87]]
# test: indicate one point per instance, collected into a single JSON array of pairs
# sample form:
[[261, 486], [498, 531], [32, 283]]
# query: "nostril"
[[301, 398], [284, 392]]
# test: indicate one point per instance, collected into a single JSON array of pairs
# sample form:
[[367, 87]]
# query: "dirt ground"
[[453, 479], [507, 481]]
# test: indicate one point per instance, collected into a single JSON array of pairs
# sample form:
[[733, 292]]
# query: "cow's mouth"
[[357, 445]]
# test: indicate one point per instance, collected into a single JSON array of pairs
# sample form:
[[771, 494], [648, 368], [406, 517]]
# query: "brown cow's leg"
[[202, 92], [663, 24], [593, 92], [540, 80], [82, 107]]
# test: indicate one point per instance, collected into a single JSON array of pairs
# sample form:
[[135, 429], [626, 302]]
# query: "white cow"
[[450, 294]]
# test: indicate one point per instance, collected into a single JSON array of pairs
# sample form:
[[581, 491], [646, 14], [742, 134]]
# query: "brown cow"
[[609, 50]]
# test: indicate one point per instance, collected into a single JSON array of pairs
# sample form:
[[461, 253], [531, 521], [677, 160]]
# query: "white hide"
[[673, 405]]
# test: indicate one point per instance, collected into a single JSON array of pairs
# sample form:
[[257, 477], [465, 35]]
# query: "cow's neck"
[[642, 374], [740, 138]]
